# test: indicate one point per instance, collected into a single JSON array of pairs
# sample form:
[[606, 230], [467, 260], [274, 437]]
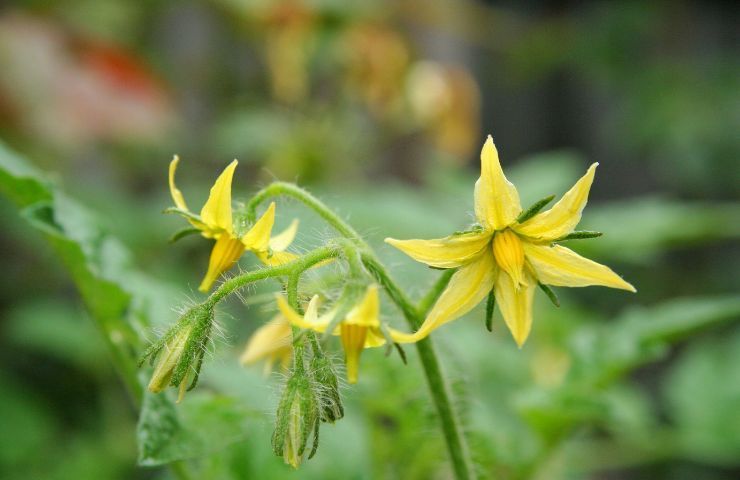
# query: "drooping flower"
[[509, 253], [272, 343], [360, 329], [217, 222]]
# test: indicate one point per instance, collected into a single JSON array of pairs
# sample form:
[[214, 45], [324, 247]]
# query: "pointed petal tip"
[[520, 341]]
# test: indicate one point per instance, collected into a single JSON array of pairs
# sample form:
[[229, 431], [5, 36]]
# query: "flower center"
[[509, 254]]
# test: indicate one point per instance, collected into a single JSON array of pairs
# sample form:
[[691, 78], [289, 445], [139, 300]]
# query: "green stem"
[[433, 294], [289, 269], [456, 444], [291, 190]]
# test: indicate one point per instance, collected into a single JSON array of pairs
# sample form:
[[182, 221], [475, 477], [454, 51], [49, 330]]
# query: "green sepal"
[[183, 233], [184, 213], [192, 356], [401, 352], [315, 445], [534, 209], [579, 235], [490, 307], [550, 294], [330, 402], [474, 229], [391, 344]]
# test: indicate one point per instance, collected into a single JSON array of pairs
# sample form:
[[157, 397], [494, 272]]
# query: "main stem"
[[438, 386]]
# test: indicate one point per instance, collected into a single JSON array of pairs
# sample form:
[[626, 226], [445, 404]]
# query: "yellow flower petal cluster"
[[359, 329], [216, 222], [507, 256]]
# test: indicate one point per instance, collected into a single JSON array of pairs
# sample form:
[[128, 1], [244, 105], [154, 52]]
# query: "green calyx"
[[325, 377], [298, 417], [180, 351]]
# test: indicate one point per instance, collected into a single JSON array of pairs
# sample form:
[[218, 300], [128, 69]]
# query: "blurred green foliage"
[[610, 385]]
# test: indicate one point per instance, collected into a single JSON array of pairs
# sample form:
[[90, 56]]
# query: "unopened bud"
[[330, 403], [180, 351], [297, 418]]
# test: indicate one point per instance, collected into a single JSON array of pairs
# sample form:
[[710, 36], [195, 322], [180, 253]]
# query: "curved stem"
[[290, 190], [295, 267], [438, 386]]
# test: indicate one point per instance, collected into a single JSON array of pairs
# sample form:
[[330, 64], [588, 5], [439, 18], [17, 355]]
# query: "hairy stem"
[[438, 386], [290, 269], [294, 191]]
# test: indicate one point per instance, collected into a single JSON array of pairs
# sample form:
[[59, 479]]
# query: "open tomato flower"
[[217, 222], [510, 253], [360, 329]]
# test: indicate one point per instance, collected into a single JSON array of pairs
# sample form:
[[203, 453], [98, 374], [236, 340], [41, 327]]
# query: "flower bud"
[[297, 417], [330, 403], [180, 351]]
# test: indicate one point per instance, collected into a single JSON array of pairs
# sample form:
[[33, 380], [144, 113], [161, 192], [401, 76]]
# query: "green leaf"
[[200, 425], [97, 262], [702, 393]]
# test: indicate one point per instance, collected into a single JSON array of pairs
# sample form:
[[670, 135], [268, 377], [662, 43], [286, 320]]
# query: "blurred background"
[[380, 108]]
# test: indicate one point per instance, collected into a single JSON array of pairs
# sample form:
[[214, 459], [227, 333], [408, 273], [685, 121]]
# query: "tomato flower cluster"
[[505, 256]]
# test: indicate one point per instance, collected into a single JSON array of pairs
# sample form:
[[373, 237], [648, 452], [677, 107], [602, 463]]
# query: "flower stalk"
[[438, 386]]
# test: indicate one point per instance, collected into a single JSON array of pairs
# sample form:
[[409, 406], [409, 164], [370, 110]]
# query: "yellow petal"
[[216, 213], [367, 312], [562, 267], [258, 237], [496, 199], [515, 303], [277, 258], [174, 191], [374, 338], [448, 252], [180, 200], [353, 341], [563, 217], [309, 320], [225, 253], [281, 241], [402, 337], [270, 340], [467, 287]]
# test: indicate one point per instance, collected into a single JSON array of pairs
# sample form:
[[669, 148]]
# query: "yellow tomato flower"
[[507, 255], [272, 342], [360, 329], [216, 222]]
